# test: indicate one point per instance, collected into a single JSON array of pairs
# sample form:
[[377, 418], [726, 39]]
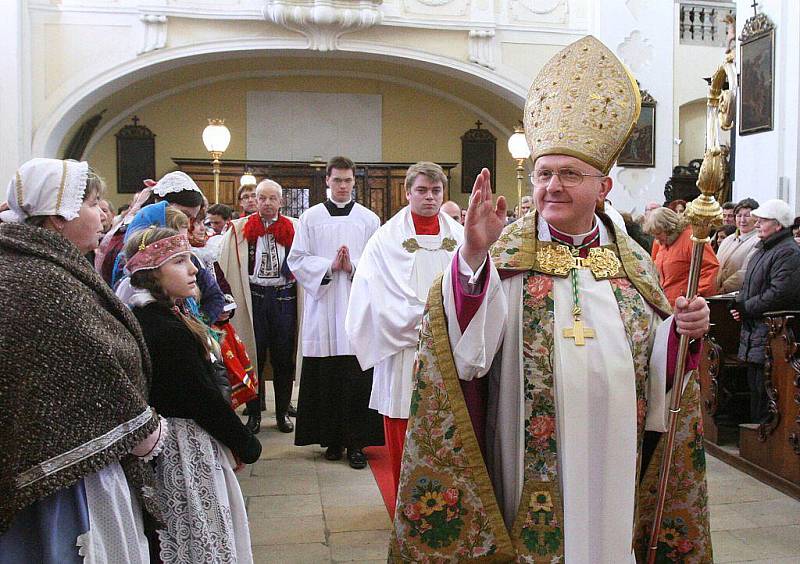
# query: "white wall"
[[12, 93], [767, 160], [641, 33], [692, 130]]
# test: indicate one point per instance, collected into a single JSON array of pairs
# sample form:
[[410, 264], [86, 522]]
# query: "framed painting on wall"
[[640, 150], [757, 82]]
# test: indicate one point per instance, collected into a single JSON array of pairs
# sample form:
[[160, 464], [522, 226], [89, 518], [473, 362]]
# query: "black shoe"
[[253, 423], [333, 453], [291, 411], [285, 424], [356, 458]]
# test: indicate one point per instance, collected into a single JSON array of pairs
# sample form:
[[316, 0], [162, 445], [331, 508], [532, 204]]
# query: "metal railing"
[[703, 24]]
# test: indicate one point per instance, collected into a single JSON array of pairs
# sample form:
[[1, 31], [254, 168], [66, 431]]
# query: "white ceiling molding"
[[117, 120], [482, 47], [154, 34], [322, 22]]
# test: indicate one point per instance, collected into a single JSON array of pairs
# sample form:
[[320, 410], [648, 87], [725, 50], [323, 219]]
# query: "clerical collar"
[[425, 225], [337, 209], [575, 240], [270, 221]]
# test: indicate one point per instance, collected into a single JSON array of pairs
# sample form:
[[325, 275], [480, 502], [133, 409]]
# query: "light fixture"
[[518, 147], [248, 179], [216, 138]]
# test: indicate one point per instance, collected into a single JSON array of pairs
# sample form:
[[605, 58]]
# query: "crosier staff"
[[704, 214]]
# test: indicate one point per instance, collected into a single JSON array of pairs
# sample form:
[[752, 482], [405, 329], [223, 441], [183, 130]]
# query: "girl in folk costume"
[[205, 516], [75, 425]]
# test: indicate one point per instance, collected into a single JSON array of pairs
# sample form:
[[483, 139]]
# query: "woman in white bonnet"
[[75, 425]]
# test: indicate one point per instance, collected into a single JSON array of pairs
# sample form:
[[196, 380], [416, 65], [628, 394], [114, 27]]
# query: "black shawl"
[[74, 372]]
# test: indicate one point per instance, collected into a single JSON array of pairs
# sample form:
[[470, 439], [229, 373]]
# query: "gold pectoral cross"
[[579, 332]]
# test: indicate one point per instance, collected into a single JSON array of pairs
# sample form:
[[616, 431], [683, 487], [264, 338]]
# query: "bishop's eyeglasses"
[[568, 177]]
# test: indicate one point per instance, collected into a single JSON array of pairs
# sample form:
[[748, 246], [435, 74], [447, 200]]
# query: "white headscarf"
[[174, 182], [48, 187]]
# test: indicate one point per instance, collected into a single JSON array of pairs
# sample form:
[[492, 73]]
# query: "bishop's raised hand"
[[484, 222]]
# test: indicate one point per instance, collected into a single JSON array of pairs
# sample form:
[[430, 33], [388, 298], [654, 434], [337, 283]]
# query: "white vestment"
[[316, 243], [595, 398], [389, 292]]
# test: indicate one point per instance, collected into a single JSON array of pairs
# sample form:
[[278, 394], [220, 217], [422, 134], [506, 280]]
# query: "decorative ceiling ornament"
[[756, 26], [154, 34], [324, 21], [482, 47], [636, 51], [549, 11]]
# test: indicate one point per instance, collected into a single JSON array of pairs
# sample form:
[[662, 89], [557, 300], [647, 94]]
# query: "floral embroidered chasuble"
[[448, 507]]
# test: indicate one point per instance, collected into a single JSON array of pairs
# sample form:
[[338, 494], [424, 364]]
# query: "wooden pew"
[[775, 444], [722, 377]]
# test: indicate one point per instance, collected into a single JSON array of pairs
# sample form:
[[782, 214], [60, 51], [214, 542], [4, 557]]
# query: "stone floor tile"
[[742, 491], [269, 506], [279, 484], [290, 467], [287, 530], [342, 496], [728, 548], [356, 518], [314, 553], [359, 546], [771, 541], [724, 517], [789, 560], [771, 513]]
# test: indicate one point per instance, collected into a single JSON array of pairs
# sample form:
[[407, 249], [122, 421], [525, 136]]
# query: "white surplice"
[[316, 243], [595, 404], [388, 297]]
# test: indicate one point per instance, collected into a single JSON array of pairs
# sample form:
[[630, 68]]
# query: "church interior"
[[227, 90]]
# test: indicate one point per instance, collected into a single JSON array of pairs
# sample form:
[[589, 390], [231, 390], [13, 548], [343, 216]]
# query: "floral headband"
[[152, 256]]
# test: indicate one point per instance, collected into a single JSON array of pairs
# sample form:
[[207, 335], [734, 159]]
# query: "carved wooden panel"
[[379, 186], [478, 151], [136, 157]]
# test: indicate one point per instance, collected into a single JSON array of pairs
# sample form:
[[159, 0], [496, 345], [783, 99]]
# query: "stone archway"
[[50, 135]]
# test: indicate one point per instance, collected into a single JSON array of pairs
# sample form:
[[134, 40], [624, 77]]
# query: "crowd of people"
[[155, 325], [753, 256], [518, 372]]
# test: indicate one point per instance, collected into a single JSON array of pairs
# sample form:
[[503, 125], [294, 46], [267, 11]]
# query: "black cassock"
[[333, 406]]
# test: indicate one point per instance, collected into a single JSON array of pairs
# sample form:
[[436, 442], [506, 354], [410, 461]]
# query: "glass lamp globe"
[[247, 179], [216, 136], [517, 145]]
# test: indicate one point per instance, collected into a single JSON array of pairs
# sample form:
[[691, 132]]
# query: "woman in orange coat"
[[674, 235]]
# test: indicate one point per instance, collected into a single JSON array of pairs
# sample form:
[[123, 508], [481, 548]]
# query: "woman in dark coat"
[[75, 425], [772, 283]]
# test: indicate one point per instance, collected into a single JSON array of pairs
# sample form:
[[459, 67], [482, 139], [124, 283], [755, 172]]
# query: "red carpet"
[[378, 458]]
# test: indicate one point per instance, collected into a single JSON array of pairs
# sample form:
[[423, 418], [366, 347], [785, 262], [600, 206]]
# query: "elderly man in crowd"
[[735, 251], [771, 283], [452, 209], [253, 259]]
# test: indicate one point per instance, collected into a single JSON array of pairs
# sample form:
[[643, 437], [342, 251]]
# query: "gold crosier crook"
[[704, 213]]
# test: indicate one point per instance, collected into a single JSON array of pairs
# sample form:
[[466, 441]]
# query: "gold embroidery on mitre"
[[583, 103]]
